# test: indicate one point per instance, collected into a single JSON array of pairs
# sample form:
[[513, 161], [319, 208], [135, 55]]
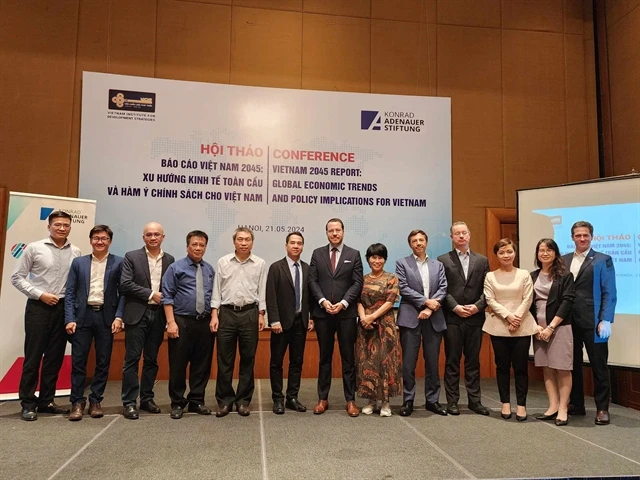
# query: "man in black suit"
[[464, 311], [335, 284], [288, 315], [141, 285]]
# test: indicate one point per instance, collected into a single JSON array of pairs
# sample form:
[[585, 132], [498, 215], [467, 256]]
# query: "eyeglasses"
[[62, 226], [100, 239]]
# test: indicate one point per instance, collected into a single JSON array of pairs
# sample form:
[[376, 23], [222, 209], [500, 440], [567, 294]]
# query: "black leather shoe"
[[176, 412], [54, 409], [278, 407], [479, 409], [453, 409], [130, 412], [223, 411], [561, 423], [199, 408], [293, 404], [436, 408], [602, 417], [406, 409], [573, 410], [29, 414], [542, 416], [150, 407], [506, 416], [521, 418], [243, 410]]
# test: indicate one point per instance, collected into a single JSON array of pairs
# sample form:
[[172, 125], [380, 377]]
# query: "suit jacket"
[[77, 290], [412, 292], [135, 283], [281, 295], [464, 291], [345, 284], [595, 290], [560, 300]]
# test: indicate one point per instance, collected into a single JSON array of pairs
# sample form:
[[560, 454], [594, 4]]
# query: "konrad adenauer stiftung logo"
[[17, 249], [390, 121]]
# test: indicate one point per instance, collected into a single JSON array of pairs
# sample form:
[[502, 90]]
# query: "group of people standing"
[[90, 298]]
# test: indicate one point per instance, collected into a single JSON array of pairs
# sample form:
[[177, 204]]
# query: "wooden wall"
[[520, 75]]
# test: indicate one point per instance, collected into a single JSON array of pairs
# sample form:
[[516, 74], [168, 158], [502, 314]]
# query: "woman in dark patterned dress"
[[378, 357]]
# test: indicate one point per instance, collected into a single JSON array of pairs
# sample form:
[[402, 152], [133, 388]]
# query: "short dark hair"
[[294, 233], [376, 249], [503, 242], [332, 220], [58, 214], [197, 233], [243, 230], [582, 223], [101, 228], [415, 232]]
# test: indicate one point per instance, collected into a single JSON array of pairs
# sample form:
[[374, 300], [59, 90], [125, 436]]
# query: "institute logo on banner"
[[130, 105], [17, 249], [391, 121], [45, 212]]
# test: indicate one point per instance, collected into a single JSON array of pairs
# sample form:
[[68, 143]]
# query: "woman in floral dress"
[[378, 357]]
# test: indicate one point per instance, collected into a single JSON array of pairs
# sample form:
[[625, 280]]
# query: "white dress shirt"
[[44, 268], [423, 268], [96, 281], [240, 283], [155, 271], [464, 260], [577, 261]]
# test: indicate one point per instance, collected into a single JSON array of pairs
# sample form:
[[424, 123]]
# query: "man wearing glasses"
[[41, 275], [93, 311], [141, 285]]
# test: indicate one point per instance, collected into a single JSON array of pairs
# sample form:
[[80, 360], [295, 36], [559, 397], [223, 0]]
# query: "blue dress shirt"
[[179, 286]]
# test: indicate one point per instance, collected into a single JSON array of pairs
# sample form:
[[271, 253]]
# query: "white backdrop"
[[274, 159], [27, 222]]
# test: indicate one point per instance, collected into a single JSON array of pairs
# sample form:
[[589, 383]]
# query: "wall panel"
[[132, 39], [406, 10], [472, 13], [352, 8], [618, 9], [575, 92], [538, 15], [291, 5]]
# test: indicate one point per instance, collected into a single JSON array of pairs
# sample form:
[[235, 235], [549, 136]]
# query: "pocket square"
[[347, 261]]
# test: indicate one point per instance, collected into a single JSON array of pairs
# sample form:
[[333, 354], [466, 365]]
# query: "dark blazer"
[[281, 295], [344, 284], [413, 296], [77, 290], [560, 301], [464, 291], [595, 290], [135, 283]]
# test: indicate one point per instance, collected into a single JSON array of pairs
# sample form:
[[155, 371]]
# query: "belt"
[[202, 316], [96, 308], [151, 306], [236, 308]]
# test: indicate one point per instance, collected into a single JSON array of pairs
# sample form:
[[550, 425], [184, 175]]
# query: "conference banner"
[[26, 223], [215, 157]]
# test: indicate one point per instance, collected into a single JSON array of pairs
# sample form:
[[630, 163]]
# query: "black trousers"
[[193, 347], [45, 340], [512, 352], [142, 339], [295, 339], [459, 339], [347, 330], [598, 354], [92, 328], [237, 330], [410, 339]]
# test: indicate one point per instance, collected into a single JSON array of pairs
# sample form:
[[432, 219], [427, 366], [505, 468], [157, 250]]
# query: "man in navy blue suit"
[[93, 312], [593, 311]]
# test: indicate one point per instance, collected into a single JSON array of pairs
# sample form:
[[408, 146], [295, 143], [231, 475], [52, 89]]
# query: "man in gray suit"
[[423, 286], [141, 285], [464, 310]]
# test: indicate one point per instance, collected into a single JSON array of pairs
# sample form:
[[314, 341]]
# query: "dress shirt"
[[155, 272], [47, 267], [577, 261], [240, 283], [338, 252], [464, 260], [179, 286], [423, 267], [96, 281]]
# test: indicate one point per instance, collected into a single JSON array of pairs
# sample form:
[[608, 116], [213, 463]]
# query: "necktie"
[[199, 290], [296, 286], [333, 259]]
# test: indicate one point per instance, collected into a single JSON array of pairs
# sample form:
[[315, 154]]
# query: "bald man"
[[141, 286]]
